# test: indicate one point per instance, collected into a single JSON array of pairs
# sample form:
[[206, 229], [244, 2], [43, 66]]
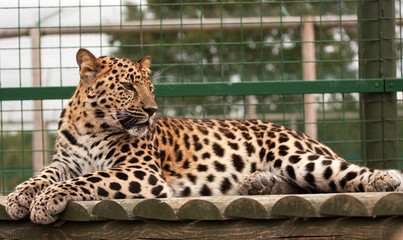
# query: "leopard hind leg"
[[265, 182]]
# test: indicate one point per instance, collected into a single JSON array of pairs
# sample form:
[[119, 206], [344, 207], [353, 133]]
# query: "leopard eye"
[[129, 86]]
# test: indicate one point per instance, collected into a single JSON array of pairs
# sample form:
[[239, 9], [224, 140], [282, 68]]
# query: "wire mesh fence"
[[322, 67]]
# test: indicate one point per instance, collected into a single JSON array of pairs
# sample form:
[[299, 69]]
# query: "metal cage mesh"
[[296, 63]]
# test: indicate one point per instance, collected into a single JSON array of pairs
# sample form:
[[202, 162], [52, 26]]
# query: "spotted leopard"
[[110, 144]]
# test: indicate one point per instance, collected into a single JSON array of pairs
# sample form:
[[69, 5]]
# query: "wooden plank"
[[3, 213], [344, 205], [79, 211], [299, 228], [389, 205], [230, 207], [309, 74], [246, 208], [199, 210], [154, 209], [120, 209], [293, 206]]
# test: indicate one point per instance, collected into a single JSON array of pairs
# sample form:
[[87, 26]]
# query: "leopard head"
[[115, 94]]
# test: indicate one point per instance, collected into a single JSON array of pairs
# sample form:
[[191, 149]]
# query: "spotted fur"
[[110, 144]]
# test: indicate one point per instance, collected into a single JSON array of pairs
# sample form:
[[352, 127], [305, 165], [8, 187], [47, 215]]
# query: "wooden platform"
[[310, 216]]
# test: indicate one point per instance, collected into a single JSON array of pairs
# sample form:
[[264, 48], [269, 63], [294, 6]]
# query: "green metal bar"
[[393, 85], [214, 89], [36, 93], [377, 60]]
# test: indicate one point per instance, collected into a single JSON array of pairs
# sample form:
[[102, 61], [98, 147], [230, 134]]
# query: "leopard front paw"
[[17, 205], [385, 181], [48, 204], [19, 201], [257, 183]]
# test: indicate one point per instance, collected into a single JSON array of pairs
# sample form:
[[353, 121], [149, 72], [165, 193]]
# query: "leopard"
[[111, 144]]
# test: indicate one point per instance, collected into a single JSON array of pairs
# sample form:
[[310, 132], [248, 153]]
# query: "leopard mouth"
[[130, 122]]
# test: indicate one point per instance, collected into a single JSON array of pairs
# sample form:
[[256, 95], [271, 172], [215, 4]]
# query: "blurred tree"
[[238, 55], [16, 164]]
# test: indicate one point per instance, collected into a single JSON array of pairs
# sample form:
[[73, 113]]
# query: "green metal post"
[[378, 60]]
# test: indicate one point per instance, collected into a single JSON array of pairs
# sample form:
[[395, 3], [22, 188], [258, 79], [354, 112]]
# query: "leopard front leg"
[[265, 182], [115, 183], [19, 201]]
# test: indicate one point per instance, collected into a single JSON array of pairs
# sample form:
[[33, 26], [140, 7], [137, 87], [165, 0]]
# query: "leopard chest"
[[196, 163]]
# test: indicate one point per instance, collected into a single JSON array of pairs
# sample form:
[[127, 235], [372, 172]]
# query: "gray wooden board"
[[306, 228], [234, 207]]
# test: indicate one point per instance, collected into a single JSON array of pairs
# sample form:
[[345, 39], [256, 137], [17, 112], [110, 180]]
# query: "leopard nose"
[[150, 110]]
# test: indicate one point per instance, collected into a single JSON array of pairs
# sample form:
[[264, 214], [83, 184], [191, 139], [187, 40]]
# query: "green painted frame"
[[224, 89]]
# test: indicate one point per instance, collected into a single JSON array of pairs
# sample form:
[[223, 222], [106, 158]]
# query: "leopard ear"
[[145, 62], [89, 65]]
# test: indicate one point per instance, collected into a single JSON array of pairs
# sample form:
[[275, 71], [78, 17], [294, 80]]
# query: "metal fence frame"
[[377, 82]]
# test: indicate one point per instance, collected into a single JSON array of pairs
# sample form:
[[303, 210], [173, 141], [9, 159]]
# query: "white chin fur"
[[138, 131]]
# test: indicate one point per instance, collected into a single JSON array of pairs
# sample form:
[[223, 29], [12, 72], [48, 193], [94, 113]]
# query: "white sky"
[[57, 53]]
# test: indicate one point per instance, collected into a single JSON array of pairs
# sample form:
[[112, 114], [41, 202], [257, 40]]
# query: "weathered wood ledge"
[[363, 215]]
